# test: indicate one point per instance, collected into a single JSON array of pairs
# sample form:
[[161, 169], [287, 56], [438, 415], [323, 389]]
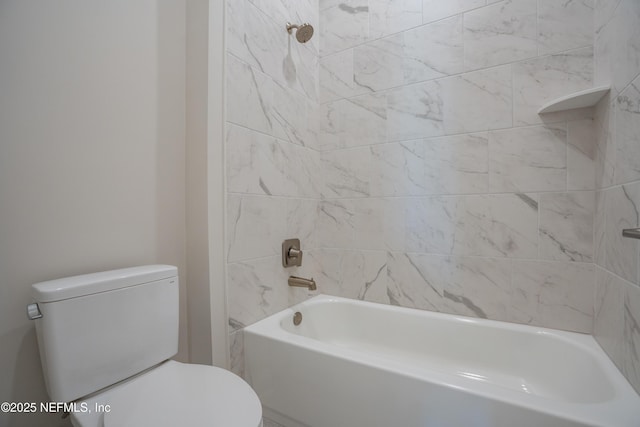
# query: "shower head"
[[304, 32]]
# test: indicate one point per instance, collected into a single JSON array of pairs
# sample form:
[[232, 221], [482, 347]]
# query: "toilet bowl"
[[105, 342], [174, 394]]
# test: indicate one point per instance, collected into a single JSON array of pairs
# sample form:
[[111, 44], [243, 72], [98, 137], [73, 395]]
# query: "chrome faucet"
[[302, 282]]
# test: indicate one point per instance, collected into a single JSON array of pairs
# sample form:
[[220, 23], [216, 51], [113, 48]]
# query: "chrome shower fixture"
[[304, 32]]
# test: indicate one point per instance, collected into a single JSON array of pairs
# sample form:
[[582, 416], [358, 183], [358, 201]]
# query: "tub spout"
[[302, 282]]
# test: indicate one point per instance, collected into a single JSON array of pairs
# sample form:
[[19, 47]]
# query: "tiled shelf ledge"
[[582, 99]]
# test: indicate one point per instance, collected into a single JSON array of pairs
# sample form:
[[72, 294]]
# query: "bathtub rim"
[[617, 407]]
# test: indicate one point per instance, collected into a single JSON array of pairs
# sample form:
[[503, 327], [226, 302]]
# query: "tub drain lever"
[[297, 318]]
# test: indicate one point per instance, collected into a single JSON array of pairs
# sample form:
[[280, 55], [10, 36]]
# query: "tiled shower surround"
[[402, 145], [617, 259]]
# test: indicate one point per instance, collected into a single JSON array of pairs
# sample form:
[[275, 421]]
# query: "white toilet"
[[105, 341]]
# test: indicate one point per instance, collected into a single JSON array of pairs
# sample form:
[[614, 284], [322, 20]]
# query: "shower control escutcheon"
[[291, 253]]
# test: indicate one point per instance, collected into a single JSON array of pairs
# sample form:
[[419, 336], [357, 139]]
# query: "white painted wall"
[[92, 156]]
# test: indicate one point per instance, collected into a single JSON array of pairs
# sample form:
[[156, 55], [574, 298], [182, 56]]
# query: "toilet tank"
[[98, 329]]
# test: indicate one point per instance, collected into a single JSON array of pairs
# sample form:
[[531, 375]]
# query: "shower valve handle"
[[295, 253], [291, 253]]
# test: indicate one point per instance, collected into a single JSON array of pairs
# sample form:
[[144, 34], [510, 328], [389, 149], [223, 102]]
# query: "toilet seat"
[[176, 393]]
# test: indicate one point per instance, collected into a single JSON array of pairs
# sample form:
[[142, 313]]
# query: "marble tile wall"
[[272, 163], [403, 146], [617, 177], [442, 188]]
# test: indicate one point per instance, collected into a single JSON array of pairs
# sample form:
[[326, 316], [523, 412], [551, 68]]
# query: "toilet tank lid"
[[87, 284]]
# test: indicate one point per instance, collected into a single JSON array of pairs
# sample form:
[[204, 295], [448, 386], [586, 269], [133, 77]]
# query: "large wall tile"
[[255, 162], [626, 48], [553, 294], [282, 11], [394, 214], [627, 120], [277, 10], [329, 121], [260, 164], [618, 46], [456, 164], [603, 12], [415, 138], [302, 171], [343, 24], [487, 225], [324, 266], [415, 111], [434, 50], [540, 80], [581, 154], [301, 69], [566, 226], [264, 44], [255, 226], [357, 121], [608, 320], [497, 226], [605, 144], [336, 76], [248, 95], [434, 10], [378, 224], [477, 287], [631, 336], [255, 289], [255, 38], [397, 169], [622, 206], [478, 101], [617, 62], [500, 33], [257, 102], [312, 129], [564, 25], [236, 352], [364, 275], [301, 221], [528, 159], [335, 227], [602, 49], [378, 64], [431, 224], [287, 114], [599, 224], [388, 17], [273, 130], [408, 285], [364, 120], [346, 172]]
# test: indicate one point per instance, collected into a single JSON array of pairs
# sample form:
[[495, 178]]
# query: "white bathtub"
[[352, 363]]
